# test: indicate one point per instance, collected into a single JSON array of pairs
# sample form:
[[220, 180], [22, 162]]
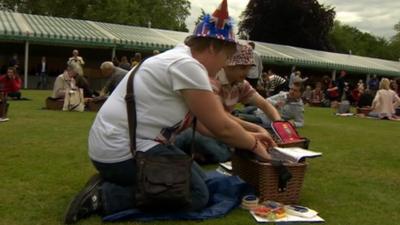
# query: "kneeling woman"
[[170, 89]]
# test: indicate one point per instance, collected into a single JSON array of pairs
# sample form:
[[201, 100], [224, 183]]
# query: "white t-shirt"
[[160, 108]]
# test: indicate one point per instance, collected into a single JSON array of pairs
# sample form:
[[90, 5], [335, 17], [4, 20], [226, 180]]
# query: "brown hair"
[[13, 69], [200, 44], [299, 85]]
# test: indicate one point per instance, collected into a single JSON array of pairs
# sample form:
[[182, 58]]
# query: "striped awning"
[[54, 30]]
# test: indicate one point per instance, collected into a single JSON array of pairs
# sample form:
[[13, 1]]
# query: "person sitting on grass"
[[170, 89], [317, 96], [231, 87], [289, 104], [385, 101], [10, 84], [66, 81]]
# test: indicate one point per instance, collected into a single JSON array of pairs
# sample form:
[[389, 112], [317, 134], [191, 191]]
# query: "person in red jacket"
[[10, 83]]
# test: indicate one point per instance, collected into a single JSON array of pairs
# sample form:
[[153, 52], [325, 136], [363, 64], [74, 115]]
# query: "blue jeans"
[[120, 179], [248, 114], [210, 149]]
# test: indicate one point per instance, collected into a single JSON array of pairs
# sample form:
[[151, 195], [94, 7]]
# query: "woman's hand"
[[261, 151], [263, 136], [265, 142]]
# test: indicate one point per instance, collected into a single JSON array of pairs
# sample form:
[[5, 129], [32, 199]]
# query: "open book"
[[292, 154]]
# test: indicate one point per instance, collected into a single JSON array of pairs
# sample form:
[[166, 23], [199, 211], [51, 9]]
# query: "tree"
[[164, 14], [302, 23], [395, 42], [346, 38]]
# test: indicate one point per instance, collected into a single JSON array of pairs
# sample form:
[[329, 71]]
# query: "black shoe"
[[86, 202]]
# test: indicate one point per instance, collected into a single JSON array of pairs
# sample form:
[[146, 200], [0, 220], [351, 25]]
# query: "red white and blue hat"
[[218, 25]]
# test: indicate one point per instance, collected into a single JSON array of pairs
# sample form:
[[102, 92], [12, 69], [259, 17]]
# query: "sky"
[[377, 17]]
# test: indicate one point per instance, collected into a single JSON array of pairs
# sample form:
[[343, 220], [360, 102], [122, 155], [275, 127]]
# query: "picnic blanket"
[[225, 194]]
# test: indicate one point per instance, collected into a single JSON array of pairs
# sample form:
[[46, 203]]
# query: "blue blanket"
[[225, 194]]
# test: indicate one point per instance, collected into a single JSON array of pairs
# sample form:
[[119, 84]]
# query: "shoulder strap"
[[131, 110]]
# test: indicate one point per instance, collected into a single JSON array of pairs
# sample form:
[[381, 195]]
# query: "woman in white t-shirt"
[[170, 88]]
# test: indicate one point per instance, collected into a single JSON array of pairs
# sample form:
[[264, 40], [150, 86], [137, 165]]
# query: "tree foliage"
[[164, 14], [302, 23], [395, 42], [346, 38]]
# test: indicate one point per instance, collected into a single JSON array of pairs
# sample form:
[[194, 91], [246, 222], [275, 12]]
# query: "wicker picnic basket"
[[264, 178]]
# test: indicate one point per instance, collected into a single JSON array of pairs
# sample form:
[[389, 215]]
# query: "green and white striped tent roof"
[[54, 30]]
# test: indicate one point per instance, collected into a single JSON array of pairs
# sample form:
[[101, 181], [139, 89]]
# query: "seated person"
[[317, 95], [366, 98], [383, 105], [66, 81], [289, 104], [10, 83], [231, 88], [114, 75], [82, 82], [345, 99]]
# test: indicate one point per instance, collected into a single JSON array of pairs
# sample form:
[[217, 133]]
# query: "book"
[[294, 154], [289, 219]]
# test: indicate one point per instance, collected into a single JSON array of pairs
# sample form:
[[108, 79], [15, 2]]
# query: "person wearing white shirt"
[[170, 89], [76, 58], [255, 72]]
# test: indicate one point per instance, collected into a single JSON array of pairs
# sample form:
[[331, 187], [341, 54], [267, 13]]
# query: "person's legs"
[[249, 118], [44, 81], [374, 114], [183, 140], [249, 109], [14, 95], [117, 191], [208, 149]]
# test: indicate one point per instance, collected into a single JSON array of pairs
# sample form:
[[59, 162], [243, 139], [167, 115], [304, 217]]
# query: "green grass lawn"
[[44, 163]]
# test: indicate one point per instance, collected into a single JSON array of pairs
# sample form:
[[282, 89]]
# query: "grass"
[[44, 163]]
